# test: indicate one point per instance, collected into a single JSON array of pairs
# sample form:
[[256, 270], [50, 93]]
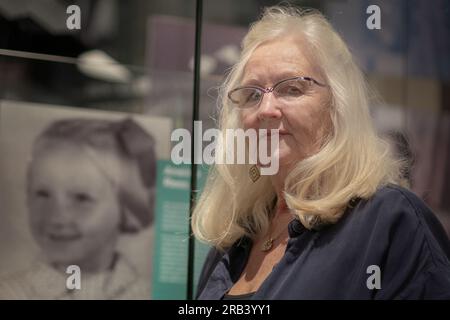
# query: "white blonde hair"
[[353, 162]]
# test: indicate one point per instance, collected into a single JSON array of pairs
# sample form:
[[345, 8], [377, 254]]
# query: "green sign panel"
[[170, 257]]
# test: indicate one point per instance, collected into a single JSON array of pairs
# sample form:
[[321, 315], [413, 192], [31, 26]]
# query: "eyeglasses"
[[289, 90]]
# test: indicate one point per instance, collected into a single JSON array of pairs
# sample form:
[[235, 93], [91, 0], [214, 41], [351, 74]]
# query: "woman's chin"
[[286, 156]]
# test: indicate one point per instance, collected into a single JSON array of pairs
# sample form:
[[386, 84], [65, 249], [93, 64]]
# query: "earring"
[[254, 173]]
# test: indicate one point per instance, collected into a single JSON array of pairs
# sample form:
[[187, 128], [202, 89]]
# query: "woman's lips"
[[268, 134], [280, 132]]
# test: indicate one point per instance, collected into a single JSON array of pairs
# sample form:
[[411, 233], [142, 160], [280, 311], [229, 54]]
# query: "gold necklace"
[[268, 244]]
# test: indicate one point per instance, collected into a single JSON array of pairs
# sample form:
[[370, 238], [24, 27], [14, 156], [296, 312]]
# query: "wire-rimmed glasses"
[[289, 90]]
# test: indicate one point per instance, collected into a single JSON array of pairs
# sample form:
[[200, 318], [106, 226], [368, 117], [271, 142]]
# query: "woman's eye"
[[253, 96], [292, 91]]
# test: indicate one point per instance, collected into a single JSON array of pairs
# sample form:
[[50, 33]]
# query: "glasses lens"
[[245, 97], [291, 89]]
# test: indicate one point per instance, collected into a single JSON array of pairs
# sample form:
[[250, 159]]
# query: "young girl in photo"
[[88, 183]]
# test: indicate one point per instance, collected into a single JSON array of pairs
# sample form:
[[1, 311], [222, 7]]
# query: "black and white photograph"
[[77, 195]]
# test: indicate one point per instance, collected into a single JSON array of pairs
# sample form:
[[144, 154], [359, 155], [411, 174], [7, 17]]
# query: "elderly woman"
[[336, 221]]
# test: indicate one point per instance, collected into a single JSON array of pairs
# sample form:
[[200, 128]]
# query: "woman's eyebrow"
[[254, 80], [251, 82]]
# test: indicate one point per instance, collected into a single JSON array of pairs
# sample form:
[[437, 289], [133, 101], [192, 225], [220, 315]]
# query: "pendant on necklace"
[[267, 245]]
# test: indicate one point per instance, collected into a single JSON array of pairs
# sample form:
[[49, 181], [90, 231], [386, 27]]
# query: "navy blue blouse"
[[394, 231]]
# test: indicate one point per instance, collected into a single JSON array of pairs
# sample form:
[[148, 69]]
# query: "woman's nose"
[[269, 107]]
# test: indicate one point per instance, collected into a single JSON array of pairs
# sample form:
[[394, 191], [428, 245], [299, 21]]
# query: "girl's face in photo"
[[73, 207]]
